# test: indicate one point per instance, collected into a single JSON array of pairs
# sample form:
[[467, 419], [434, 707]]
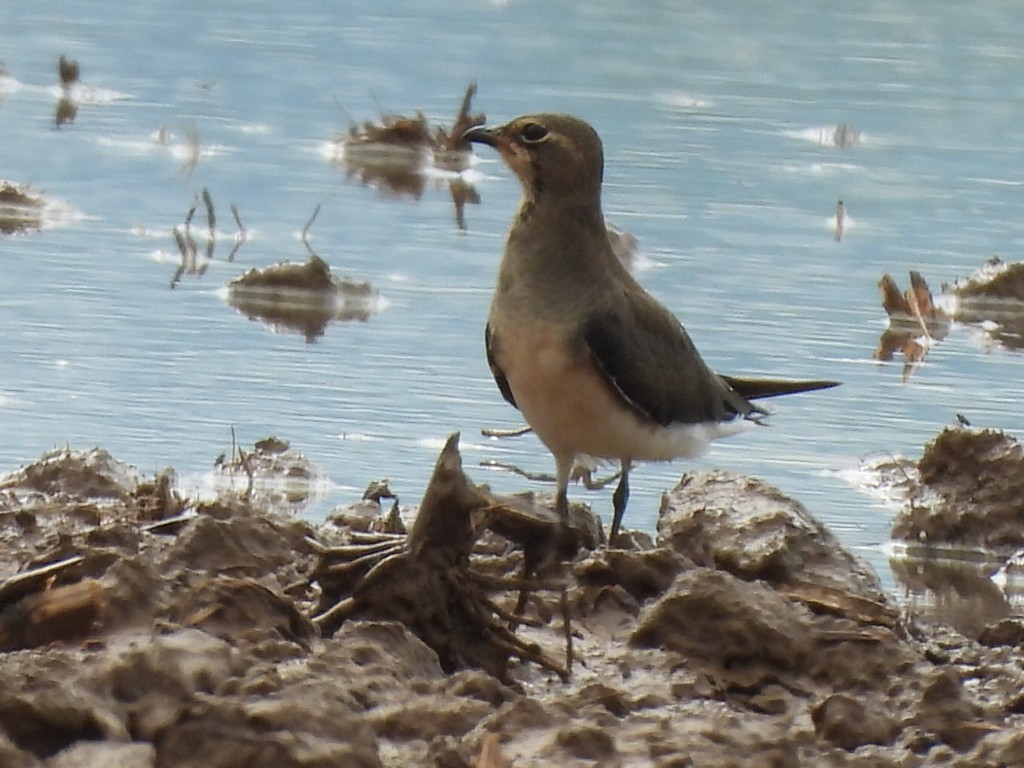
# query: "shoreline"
[[747, 629]]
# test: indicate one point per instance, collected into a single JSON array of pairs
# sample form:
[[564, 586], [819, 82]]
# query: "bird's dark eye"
[[534, 132]]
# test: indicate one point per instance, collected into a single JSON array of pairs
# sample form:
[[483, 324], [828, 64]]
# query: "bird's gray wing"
[[499, 375], [648, 358]]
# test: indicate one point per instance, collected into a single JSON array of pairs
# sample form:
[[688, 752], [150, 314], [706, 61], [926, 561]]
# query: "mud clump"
[[415, 134], [397, 154], [302, 296], [995, 280], [971, 483], [958, 532], [745, 630], [992, 298], [21, 209], [93, 474]]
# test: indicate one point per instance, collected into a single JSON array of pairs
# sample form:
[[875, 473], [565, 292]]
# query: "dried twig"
[[191, 212], [193, 249], [305, 230], [240, 236], [22, 584], [487, 432], [238, 220], [52, 614], [171, 524], [490, 753], [192, 137], [211, 219]]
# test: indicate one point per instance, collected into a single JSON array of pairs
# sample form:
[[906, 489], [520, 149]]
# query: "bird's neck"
[[559, 249], [558, 217]]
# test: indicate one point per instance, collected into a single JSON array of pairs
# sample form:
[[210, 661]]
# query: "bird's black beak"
[[481, 134]]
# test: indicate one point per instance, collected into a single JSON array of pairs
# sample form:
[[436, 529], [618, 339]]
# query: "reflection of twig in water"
[[192, 158], [211, 223], [67, 108], [462, 192], [240, 235], [188, 219], [183, 247], [66, 111], [211, 218], [190, 263], [189, 249], [238, 219]]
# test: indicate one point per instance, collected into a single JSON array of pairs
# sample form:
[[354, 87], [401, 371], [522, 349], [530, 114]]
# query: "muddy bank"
[[25, 210], [966, 490], [302, 296], [746, 635], [958, 533]]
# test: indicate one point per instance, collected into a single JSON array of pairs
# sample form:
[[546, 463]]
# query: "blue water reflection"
[[713, 119]]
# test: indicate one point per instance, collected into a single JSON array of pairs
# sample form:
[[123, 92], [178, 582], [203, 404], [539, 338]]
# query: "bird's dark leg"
[[619, 499], [562, 507], [563, 470]]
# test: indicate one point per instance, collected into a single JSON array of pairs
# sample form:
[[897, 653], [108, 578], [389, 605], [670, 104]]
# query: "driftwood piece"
[[23, 584], [53, 614], [490, 753], [915, 323], [33, 611], [427, 580]]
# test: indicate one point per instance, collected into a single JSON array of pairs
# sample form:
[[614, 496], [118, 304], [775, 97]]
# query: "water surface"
[[718, 126]]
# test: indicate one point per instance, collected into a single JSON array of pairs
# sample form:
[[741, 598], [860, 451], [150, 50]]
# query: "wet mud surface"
[[301, 296], [958, 533], [142, 628]]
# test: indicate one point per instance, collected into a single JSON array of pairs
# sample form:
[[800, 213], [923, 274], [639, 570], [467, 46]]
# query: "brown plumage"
[[595, 363]]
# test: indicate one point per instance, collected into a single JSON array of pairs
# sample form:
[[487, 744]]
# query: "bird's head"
[[549, 153]]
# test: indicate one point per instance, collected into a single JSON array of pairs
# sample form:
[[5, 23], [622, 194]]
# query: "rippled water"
[[719, 128]]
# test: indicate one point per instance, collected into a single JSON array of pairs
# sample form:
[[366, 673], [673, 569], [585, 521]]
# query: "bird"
[[597, 366]]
